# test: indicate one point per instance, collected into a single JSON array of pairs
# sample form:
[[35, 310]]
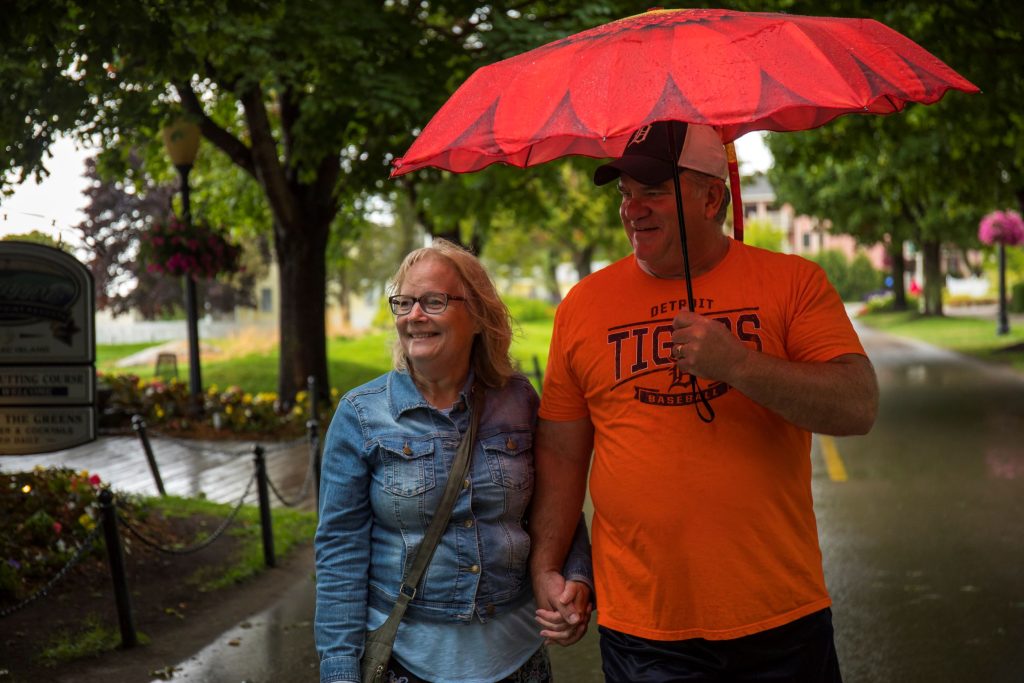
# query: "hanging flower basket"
[[174, 248], [1002, 227]]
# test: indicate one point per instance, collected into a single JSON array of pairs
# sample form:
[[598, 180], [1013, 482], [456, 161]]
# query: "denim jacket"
[[386, 461]]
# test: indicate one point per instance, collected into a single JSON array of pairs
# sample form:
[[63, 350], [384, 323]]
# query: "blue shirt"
[[386, 460]]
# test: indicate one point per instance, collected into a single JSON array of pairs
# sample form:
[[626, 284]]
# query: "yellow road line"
[[834, 463]]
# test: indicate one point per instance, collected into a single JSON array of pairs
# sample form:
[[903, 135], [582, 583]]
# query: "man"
[[706, 555]]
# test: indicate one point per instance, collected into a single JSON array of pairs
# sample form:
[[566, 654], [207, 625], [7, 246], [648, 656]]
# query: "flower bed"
[[47, 514], [229, 411]]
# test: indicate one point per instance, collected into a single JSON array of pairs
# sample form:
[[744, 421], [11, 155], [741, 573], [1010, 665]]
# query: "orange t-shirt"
[[700, 530]]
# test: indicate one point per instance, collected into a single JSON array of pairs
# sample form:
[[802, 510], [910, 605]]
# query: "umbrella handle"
[[734, 186]]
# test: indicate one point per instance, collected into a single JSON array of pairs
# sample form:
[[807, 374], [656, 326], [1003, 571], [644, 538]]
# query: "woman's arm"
[[342, 546]]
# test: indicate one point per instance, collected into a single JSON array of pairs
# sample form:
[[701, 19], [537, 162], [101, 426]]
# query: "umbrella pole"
[[699, 399], [682, 221]]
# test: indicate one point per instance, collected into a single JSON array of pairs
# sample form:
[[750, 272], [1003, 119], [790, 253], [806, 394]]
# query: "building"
[[805, 235]]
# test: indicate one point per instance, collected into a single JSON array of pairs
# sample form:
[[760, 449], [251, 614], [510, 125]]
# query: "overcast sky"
[[55, 205]]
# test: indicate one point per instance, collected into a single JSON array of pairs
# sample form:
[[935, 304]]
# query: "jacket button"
[[510, 444], [475, 569], [407, 450], [490, 610], [465, 483], [468, 524]]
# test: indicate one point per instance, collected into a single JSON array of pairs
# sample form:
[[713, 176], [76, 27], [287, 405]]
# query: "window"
[[267, 300]]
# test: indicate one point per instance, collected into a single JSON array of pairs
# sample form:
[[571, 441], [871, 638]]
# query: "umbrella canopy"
[[737, 71]]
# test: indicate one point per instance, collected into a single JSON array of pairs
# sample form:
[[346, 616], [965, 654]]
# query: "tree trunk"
[[551, 274], [932, 292], [303, 332], [583, 259], [898, 272]]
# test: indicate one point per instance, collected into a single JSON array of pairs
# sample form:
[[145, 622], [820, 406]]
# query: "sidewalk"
[[217, 470]]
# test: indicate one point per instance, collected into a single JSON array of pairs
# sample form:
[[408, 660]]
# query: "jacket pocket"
[[510, 459], [408, 465]]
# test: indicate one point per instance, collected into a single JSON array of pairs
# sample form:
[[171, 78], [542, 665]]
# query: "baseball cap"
[[647, 156]]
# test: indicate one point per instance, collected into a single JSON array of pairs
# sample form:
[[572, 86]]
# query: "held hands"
[[563, 608], [705, 347]]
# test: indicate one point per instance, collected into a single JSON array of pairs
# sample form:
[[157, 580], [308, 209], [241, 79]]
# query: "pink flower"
[[1002, 227], [57, 527], [94, 480]]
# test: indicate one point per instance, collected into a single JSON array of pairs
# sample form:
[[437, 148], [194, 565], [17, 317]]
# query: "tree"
[[927, 174], [310, 99], [118, 216]]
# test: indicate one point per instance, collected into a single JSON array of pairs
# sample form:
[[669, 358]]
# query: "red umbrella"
[[736, 71]]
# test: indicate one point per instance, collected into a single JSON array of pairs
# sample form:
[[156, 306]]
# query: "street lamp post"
[[181, 139], [1004, 320], [1002, 228]]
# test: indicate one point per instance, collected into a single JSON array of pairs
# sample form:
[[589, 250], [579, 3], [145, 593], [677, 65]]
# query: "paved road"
[[920, 526], [923, 545]]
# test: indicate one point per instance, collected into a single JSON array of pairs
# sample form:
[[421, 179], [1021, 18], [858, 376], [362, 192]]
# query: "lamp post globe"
[[181, 139]]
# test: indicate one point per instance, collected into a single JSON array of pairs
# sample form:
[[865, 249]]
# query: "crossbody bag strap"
[[407, 591]]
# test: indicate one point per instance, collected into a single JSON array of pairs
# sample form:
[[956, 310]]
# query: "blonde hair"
[[489, 357]]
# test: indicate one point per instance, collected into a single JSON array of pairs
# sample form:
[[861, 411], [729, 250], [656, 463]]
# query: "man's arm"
[[837, 397], [562, 457]]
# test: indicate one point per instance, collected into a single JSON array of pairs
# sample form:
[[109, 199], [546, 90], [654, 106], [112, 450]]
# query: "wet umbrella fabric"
[[736, 71]]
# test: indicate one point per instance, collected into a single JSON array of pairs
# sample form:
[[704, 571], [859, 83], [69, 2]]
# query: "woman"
[[386, 461]]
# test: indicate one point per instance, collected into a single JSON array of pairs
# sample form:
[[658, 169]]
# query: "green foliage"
[[1016, 302], [887, 304], [37, 237], [529, 310], [855, 279], [763, 234], [89, 639]]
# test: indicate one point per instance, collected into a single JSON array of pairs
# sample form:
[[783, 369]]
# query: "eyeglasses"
[[431, 302]]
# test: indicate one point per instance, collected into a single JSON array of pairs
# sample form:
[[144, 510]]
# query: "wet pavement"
[[920, 526], [923, 545]]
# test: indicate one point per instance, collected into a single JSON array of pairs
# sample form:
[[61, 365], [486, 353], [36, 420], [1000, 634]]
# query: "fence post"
[[139, 425], [265, 520], [313, 432], [115, 556]]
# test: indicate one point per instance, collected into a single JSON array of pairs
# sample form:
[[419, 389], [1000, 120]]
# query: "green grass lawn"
[[965, 334], [108, 354], [351, 361]]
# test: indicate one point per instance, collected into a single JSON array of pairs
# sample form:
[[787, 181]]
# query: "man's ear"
[[714, 199]]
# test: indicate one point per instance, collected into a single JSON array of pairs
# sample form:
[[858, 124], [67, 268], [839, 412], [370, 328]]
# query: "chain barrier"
[[208, 450], [198, 546], [85, 548], [279, 446], [303, 490], [194, 446]]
